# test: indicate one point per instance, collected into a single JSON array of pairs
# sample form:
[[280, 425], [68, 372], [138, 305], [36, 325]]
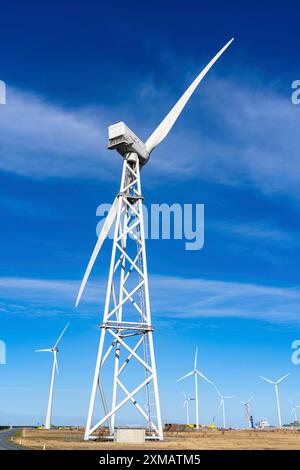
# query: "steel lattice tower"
[[127, 318]]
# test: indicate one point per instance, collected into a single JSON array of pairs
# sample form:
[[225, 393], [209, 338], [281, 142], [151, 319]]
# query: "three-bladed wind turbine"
[[186, 405], [53, 350], [222, 404], [195, 372], [276, 392], [127, 307], [294, 411], [248, 416]]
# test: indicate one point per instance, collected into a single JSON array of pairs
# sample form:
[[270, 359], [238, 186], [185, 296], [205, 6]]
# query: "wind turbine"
[[195, 372], [248, 415], [276, 392], [294, 410], [54, 350], [127, 307], [222, 404], [186, 405]]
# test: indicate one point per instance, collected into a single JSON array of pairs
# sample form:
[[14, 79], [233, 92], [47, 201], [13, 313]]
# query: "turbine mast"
[[50, 401], [127, 318], [278, 405]]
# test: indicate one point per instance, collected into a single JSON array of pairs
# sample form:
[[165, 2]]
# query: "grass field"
[[195, 440]]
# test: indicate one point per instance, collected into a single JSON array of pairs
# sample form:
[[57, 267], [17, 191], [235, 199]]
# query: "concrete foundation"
[[133, 436]]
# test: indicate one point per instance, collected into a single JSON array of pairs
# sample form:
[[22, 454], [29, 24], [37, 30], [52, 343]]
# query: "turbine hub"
[[121, 138]]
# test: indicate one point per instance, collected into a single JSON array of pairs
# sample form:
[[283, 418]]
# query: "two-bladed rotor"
[[128, 145]]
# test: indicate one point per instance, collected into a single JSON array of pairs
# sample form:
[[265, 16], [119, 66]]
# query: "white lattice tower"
[[126, 331]]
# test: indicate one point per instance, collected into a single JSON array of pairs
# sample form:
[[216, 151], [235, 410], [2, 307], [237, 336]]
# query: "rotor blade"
[[229, 396], [55, 363], [204, 377], [43, 350], [104, 232], [282, 378], [196, 356], [267, 380], [166, 125], [61, 335], [221, 401], [184, 394], [218, 391], [250, 399], [186, 375]]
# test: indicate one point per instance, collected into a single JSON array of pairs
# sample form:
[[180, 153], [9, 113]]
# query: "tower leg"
[[94, 387]]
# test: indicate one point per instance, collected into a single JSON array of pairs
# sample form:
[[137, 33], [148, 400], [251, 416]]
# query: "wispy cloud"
[[236, 133], [43, 140], [196, 298], [172, 297], [38, 297], [254, 230]]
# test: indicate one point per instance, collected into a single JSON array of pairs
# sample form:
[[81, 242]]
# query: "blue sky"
[[73, 69]]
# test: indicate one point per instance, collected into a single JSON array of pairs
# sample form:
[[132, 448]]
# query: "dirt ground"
[[195, 440]]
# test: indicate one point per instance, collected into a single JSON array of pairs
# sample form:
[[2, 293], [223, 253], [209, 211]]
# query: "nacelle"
[[121, 138]]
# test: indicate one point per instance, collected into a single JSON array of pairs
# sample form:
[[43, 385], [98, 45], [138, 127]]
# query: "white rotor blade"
[[184, 394], [250, 399], [104, 232], [282, 378], [218, 391], [55, 363], [186, 375], [196, 356], [230, 396], [61, 335], [203, 377], [221, 401], [166, 125], [267, 380], [43, 350]]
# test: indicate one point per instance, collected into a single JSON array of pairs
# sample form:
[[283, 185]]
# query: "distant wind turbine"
[[54, 350], [277, 395], [195, 372], [186, 405], [222, 403], [294, 410]]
